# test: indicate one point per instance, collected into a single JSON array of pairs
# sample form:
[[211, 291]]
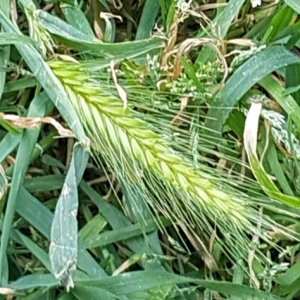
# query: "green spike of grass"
[[175, 188]]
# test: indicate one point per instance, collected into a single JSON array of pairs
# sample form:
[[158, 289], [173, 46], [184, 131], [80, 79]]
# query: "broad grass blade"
[[12, 39], [251, 72], [73, 37], [294, 4], [147, 20], [64, 230], [39, 216], [143, 280], [34, 281]]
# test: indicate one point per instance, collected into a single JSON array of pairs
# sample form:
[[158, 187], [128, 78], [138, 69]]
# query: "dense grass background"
[[149, 149]]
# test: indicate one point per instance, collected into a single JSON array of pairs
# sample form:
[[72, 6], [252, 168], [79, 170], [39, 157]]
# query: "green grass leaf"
[[39, 107], [276, 168], [76, 18], [294, 4], [147, 20], [222, 23], [122, 234], [117, 220], [33, 281], [8, 144], [23, 83], [287, 102], [73, 37], [143, 280], [36, 214], [224, 19], [280, 21], [269, 186], [9, 127], [292, 79], [63, 247], [48, 81], [34, 248], [15, 38], [251, 72], [91, 293], [5, 51], [250, 143]]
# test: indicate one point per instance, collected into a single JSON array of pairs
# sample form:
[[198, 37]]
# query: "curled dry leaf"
[[120, 90], [3, 183], [250, 143], [14, 12], [6, 291], [251, 129], [179, 17], [117, 4], [34, 123], [255, 3], [95, 8], [240, 42], [177, 120], [64, 57], [107, 16], [187, 45], [210, 6]]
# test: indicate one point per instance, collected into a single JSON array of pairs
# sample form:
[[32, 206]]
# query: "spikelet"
[[129, 145]]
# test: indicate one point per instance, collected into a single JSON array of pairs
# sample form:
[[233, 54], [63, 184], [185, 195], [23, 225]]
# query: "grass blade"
[[147, 20], [12, 39], [277, 169], [224, 19], [251, 72], [8, 144], [222, 23], [64, 230], [116, 219], [73, 37], [140, 211], [5, 51], [48, 81], [292, 79], [287, 102], [38, 107], [41, 218], [250, 142], [83, 293], [294, 4], [35, 280], [34, 248], [76, 18], [19, 84], [123, 234], [144, 280]]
